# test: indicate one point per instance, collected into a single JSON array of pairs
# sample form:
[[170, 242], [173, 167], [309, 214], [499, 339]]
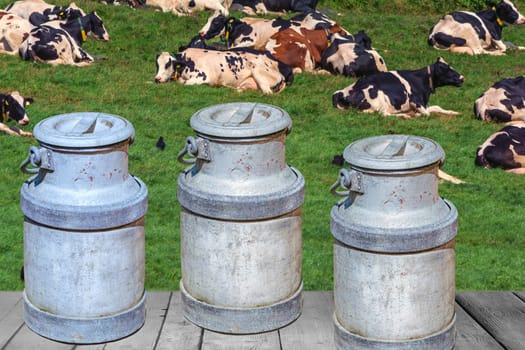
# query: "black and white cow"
[[502, 102], [234, 69], [61, 43], [187, 7], [13, 108], [403, 93], [38, 11], [504, 149], [266, 6], [352, 56], [244, 32], [475, 33]]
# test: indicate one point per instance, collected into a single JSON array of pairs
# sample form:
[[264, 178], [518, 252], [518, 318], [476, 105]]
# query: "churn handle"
[[39, 159], [350, 181]]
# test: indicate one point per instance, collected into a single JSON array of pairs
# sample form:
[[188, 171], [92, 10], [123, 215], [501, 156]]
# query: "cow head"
[[507, 13], [94, 27], [13, 107], [443, 74], [165, 68], [214, 26]]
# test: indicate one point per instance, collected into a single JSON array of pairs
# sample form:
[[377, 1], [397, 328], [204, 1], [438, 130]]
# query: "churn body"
[[240, 221], [84, 244], [394, 259]]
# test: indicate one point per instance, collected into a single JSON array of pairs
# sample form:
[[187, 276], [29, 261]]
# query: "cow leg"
[[447, 177], [437, 109], [518, 171], [14, 130], [462, 49]]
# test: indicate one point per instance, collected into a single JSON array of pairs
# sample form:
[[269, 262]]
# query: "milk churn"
[[83, 230], [240, 221], [394, 259]]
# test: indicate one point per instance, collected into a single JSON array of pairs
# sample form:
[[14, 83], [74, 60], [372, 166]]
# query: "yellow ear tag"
[[84, 36], [227, 35], [329, 43], [500, 22], [27, 103], [4, 117]]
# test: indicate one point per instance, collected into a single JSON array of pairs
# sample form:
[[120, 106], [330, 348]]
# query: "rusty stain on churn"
[[394, 259], [240, 221], [84, 245]]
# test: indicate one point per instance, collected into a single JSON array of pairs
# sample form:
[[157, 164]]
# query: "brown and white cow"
[[475, 33], [187, 7], [404, 93], [39, 11], [502, 102], [234, 69], [14, 30], [13, 108], [352, 56], [301, 48], [504, 149]]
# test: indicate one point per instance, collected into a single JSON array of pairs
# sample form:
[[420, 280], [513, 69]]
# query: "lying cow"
[[187, 7], [504, 149], [244, 32], [238, 70], [39, 11], [301, 48], [14, 30], [475, 33], [267, 6], [502, 102], [352, 56], [403, 93], [61, 43], [199, 42], [13, 108]]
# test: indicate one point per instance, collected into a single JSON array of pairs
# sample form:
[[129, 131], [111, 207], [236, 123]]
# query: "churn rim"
[[84, 129], [240, 120], [394, 152]]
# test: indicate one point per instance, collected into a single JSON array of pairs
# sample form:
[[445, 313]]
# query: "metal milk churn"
[[83, 230], [394, 259], [241, 229]]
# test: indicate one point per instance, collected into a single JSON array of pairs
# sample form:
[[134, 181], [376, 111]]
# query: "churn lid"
[[240, 119], [393, 152], [83, 129]]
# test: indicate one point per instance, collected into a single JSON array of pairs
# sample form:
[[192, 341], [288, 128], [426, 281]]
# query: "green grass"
[[490, 240]]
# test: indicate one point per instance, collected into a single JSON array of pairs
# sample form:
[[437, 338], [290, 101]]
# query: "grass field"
[[490, 243]]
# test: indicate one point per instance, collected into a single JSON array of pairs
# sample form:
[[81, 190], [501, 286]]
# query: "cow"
[[475, 33], [238, 70], [187, 7], [13, 108], [200, 43], [503, 102], [402, 93], [279, 6], [38, 11], [14, 30], [313, 20], [82, 28], [504, 149], [352, 56], [53, 46], [56, 42], [244, 32], [301, 48]]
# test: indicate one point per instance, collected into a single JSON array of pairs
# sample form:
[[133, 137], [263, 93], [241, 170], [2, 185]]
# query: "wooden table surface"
[[485, 320]]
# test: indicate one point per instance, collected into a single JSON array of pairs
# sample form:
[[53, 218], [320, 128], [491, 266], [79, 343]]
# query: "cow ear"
[[440, 59], [28, 101]]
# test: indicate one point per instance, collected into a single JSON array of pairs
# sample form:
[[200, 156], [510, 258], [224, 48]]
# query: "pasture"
[[491, 234]]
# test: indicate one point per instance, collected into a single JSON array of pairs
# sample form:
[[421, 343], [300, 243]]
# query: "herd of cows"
[[265, 54]]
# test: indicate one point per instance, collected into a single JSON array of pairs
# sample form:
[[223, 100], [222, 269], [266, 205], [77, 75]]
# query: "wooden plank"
[[27, 339], [314, 329], [145, 338], [177, 333], [11, 315], [470, 335], [502, 314], [261, 341]]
